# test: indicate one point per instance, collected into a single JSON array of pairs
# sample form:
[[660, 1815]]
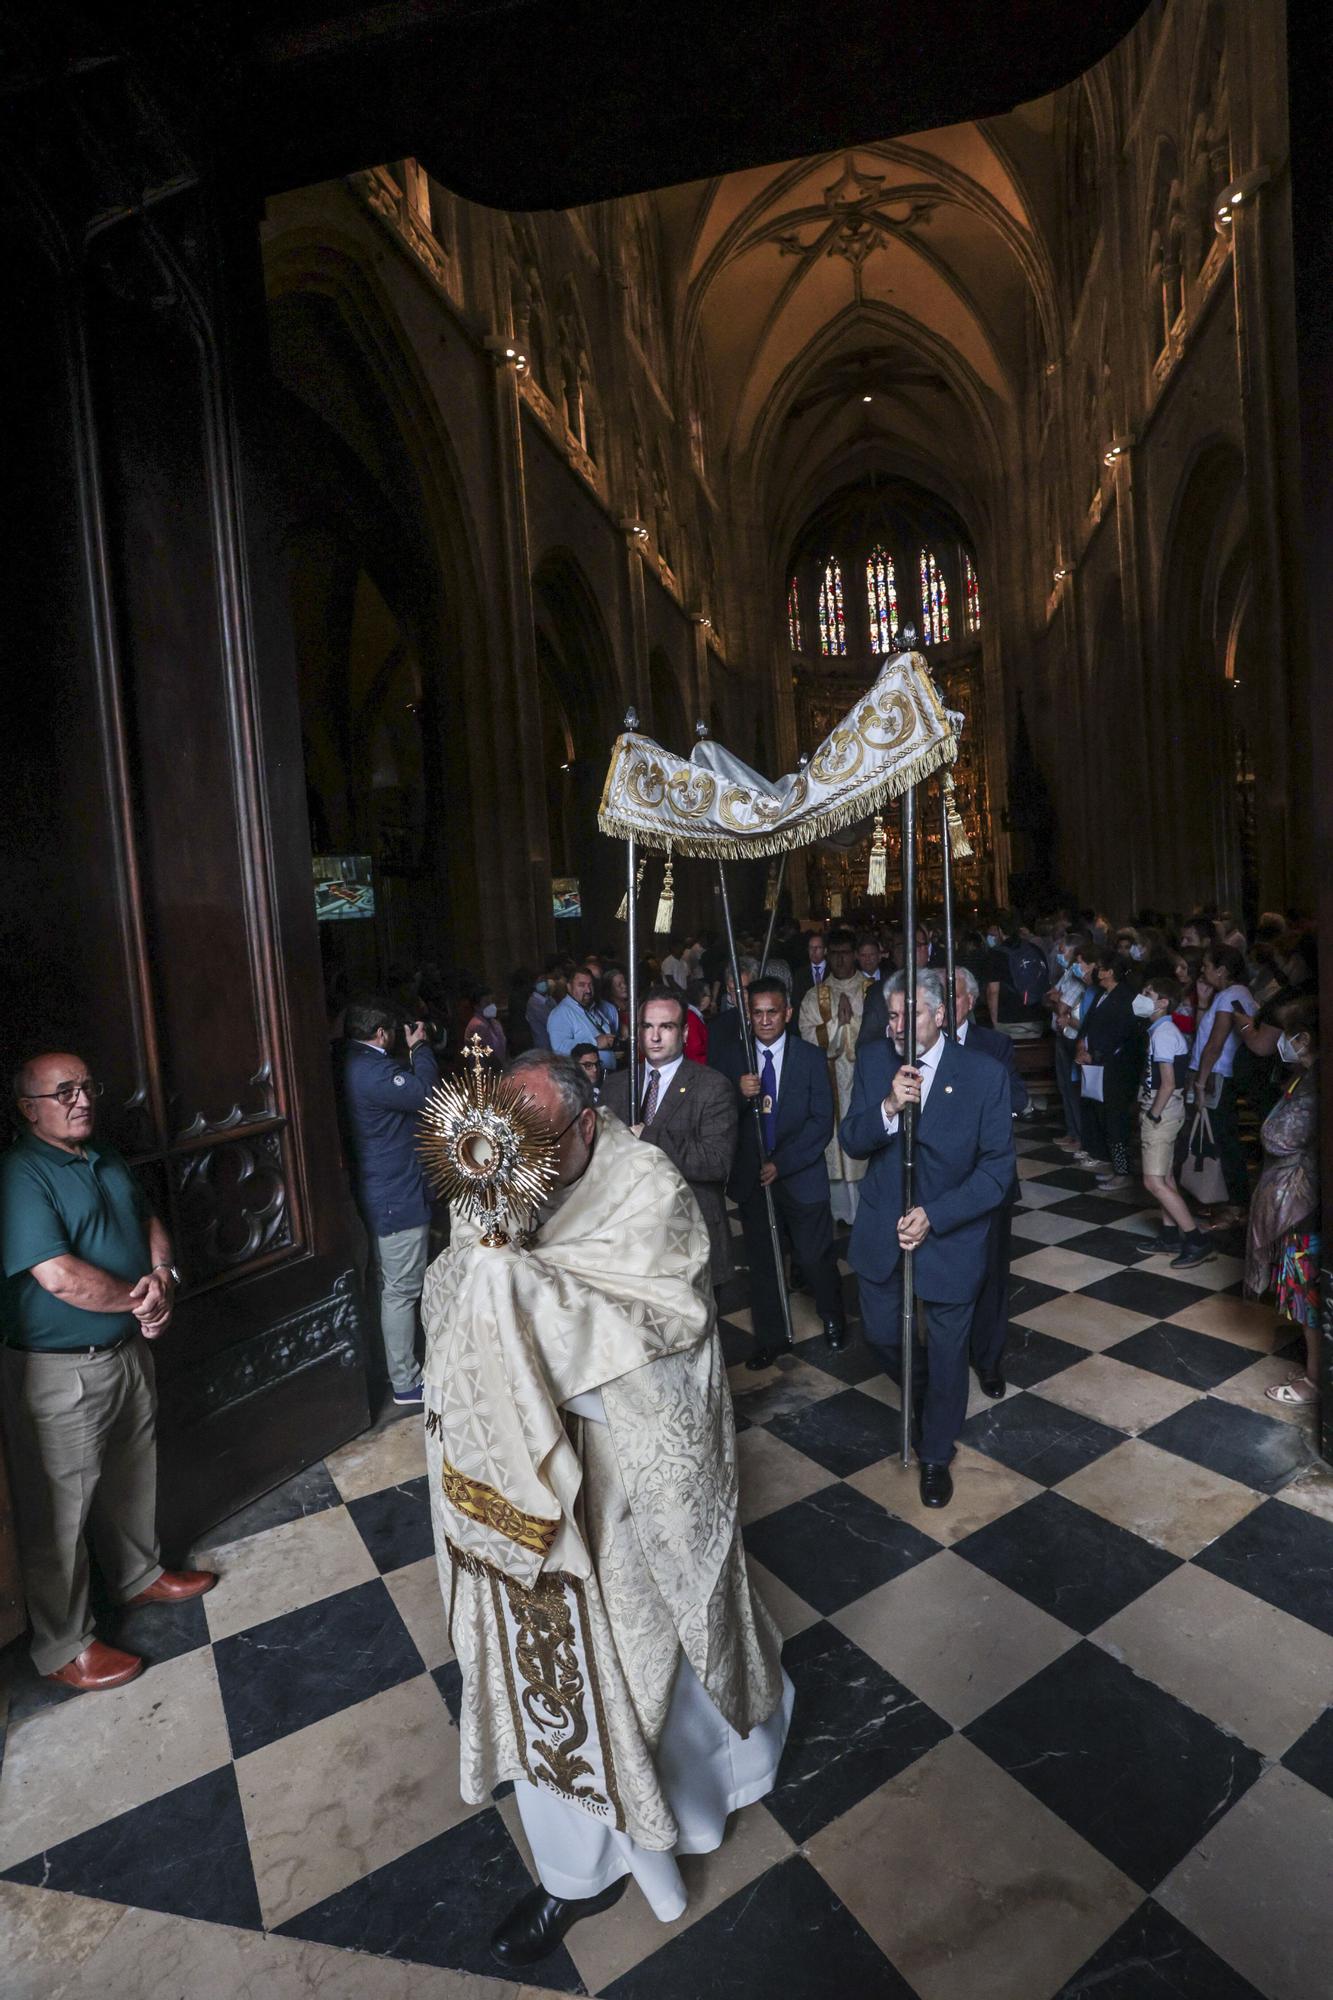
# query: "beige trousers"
[[82, 1458]]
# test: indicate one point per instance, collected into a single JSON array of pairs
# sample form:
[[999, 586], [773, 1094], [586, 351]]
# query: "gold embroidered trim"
[[549, 1712], [482, 1503]]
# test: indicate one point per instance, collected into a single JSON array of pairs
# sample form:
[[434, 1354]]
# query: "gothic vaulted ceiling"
[[868, 308]]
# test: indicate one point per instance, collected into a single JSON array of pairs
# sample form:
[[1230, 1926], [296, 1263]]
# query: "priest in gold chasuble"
[[582, 1462]]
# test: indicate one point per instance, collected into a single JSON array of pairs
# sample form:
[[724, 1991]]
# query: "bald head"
[[55, 1094]]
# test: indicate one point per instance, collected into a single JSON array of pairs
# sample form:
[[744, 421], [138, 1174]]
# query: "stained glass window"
[[971, 595], [832, 625], [794, 616], [934, 601], [882, 592]]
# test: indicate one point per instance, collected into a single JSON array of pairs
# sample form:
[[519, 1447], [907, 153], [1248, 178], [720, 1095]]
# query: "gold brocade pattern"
[[548, 1698], [482, 1503]]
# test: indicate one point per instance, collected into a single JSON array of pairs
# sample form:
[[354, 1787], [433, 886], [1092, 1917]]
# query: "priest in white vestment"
[[582, 1462], [831, 1018]]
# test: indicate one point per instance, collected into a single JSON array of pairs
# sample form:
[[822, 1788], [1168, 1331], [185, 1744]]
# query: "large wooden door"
[[156, 909]]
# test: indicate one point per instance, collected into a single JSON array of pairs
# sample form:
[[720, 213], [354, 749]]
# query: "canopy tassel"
[[877, 879], [666, 902]]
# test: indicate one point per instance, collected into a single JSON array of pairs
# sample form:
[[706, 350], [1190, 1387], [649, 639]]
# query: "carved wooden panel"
[[231, 1199]]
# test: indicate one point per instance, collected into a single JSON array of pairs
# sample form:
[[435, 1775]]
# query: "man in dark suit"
[[964, 1167], [795, 1119], [990, 1316], [813, 971], [686, 1110]]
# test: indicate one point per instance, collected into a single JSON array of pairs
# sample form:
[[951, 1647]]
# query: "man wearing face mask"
[[380, 1101], [581, 1454]]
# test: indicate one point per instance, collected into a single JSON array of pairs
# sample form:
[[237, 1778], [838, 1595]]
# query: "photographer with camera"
[[380, 1101]]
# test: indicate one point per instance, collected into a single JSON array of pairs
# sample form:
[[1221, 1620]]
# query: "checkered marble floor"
[[1069, 1737]]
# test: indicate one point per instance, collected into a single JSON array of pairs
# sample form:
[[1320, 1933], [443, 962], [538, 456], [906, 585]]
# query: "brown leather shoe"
[[98, 1666], [174, 1585]]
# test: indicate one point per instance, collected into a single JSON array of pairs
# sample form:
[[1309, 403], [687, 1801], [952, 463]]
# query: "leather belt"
[[73, 1353]]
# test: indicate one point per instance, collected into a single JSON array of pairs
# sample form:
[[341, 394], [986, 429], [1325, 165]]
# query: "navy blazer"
[[965, 1166], [805, 1121], [999, 1047], [379, 1104]]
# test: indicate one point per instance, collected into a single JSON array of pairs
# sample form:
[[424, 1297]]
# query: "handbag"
[[1094, 1082], [1201, 1176]]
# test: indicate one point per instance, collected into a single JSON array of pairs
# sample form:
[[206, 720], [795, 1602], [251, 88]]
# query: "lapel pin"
[[948, 1090]]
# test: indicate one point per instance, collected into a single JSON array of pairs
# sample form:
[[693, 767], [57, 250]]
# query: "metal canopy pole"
[[907, 1121], [747, 1043], [950, 974], [632, 954]]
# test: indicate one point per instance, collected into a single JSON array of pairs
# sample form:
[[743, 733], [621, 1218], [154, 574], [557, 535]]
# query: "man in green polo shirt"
[[88, 1279]]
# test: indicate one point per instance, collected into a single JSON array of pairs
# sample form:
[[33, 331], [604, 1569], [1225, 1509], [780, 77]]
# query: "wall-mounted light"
[[500, 349], [1060, 575], [1236, 193], [866, 399], [1116, 450]]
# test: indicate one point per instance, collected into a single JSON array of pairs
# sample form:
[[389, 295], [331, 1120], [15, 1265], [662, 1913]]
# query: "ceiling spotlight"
[[640, 532], [865, 399], [1060, 575], [1115, 451]]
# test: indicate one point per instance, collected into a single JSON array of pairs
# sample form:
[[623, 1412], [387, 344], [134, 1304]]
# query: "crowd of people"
[[1179, 1054]]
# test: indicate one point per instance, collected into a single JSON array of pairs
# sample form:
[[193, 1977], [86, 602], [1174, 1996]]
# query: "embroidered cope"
[[579, 1559]]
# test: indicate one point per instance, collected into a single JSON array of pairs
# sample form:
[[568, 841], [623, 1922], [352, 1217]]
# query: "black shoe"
[[835, 1336], [936, 1485], [799, 1281], [1165, 1239], [766, 1354], [536, 1926], [1196, 1249], [992, 1385]]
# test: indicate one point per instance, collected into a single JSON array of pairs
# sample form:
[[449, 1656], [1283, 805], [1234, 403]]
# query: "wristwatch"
[[171, 1272], [1156, 1117]]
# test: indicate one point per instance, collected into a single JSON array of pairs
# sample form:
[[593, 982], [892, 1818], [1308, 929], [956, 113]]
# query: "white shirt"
[[817, 971], [778, 1052], [665, 1074], [927, 1064], [1235, 1000], [676, 970]]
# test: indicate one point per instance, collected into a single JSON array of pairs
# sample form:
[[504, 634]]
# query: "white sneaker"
[[1112, 1183]]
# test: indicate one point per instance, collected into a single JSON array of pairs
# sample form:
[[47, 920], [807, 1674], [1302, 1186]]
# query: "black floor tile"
[[1116, 1246], [1031, 1357], [832, 1547], [1067, 1560], [1092, 1208], [185, 1853], [854, 1363], [1026, 1294], [157, 1632], [786, 1934], [1076, 1179], [1136, 1772], [1153, 1957], [844, 1433], [449, 1680], [310, 1492], [1199, 1360], [1039, 1439], [1259, 1451], [394, 1523], [296, 1669], [1147, 1292], [1311, 1755], [436, 1905], [853, 1728], [1283, 1555]]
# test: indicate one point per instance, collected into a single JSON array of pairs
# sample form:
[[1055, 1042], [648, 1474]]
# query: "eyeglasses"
[[66, 1093]]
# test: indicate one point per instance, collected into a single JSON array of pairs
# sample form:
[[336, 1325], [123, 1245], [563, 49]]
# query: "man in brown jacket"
[[687, 1110]]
